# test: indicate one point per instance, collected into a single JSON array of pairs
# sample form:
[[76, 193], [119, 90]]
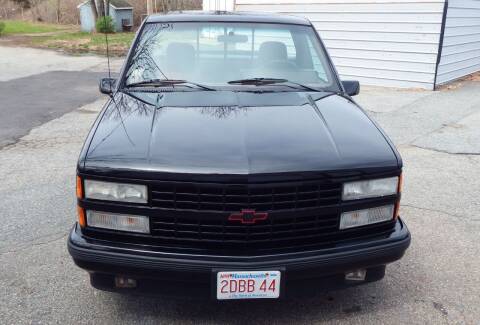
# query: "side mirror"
[[107, 85], [352, 87]]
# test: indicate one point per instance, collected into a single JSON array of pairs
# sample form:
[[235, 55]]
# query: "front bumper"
[[147, 265]]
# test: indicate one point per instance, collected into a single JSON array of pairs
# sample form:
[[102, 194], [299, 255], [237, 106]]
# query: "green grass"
[[95, 39], [25, 27], [86, 42], [67, 38]]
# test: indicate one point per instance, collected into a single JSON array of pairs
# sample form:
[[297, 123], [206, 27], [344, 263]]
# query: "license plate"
[[248, 285]]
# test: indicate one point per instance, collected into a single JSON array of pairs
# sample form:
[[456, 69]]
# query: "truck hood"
[[222, 132]]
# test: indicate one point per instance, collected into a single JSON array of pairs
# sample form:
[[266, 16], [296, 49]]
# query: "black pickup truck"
[[231, 162]]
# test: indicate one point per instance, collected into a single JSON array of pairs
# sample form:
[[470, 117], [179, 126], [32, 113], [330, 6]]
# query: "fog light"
[[122, 282], [357, 275], [366, 217], [115, 221]]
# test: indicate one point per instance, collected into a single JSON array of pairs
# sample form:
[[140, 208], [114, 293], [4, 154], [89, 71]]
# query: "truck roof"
[[227, 16]]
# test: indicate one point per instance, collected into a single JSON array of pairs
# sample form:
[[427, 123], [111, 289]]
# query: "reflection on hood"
[[236, 133]]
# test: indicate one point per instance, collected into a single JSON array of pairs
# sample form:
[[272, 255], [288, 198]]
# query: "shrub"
[[105, 25], [2, 27]]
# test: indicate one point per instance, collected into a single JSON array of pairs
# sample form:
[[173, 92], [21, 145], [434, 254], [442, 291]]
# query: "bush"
[[105, 25], [2, 27]]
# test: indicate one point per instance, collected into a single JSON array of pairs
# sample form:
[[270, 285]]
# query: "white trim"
[[111, 5], [121, 8], [82, 4]]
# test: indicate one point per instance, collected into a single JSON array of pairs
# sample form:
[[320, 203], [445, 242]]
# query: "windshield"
[[214, 54]]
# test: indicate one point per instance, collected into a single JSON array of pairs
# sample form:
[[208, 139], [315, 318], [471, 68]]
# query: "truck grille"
[[234, 197], [193, 216], [276, 233], [301, 215]]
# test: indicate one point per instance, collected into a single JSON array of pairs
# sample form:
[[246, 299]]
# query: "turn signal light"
[[370, 216], [400, 183], [399, 190], [79, 188], [122, 222], [82, 221]]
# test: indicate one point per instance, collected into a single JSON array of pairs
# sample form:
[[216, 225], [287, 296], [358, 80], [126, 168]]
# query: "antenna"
[[108, 54], [107, 10]]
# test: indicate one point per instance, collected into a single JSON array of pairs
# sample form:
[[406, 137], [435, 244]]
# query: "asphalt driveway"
[[37, 86], [437, 133]]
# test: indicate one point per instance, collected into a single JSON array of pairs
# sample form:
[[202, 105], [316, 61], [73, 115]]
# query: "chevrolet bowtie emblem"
[[248, 216]]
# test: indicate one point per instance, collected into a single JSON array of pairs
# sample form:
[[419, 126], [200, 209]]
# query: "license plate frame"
[[277, 273]]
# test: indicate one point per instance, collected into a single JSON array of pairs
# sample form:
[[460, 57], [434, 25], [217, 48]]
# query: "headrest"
[[273, 51]]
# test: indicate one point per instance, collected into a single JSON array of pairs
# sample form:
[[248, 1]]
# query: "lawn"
[[24, 27], [82, 42], [67, 38]]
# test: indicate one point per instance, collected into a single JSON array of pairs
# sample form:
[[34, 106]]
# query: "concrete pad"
[[20, 62], [430, 113], [382, 100], [116, 65], [461, 137], [37, 177], [441, 182]]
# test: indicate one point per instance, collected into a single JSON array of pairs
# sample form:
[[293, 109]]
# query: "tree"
[[107, 7], [93, 5], [58, 12], [35, 9], [149, 7], [100, 8], [24, 3]]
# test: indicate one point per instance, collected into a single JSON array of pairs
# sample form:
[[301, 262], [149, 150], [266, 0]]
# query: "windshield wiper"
[[165, 83], [257, 81], [271, 81]]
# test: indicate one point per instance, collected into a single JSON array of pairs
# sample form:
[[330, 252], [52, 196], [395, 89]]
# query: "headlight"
[[371, 188], [115, 221], [366, 217], [115, 191]]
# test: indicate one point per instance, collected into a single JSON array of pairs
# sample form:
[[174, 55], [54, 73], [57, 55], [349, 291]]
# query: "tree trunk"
[[59, 13], [101, 8], [93, 5], [107, 7], [149, 7]]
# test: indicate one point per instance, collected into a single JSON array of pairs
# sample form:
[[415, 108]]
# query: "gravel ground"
[[436, 282]]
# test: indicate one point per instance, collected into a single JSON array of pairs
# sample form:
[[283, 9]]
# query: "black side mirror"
[[352, 87], [107, 85]]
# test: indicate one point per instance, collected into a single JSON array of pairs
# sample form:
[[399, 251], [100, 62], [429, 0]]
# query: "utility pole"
[[149, 7]]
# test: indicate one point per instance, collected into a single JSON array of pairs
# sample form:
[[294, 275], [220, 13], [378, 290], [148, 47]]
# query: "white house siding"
[[461, 43], [379, 42], [223, 5]]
